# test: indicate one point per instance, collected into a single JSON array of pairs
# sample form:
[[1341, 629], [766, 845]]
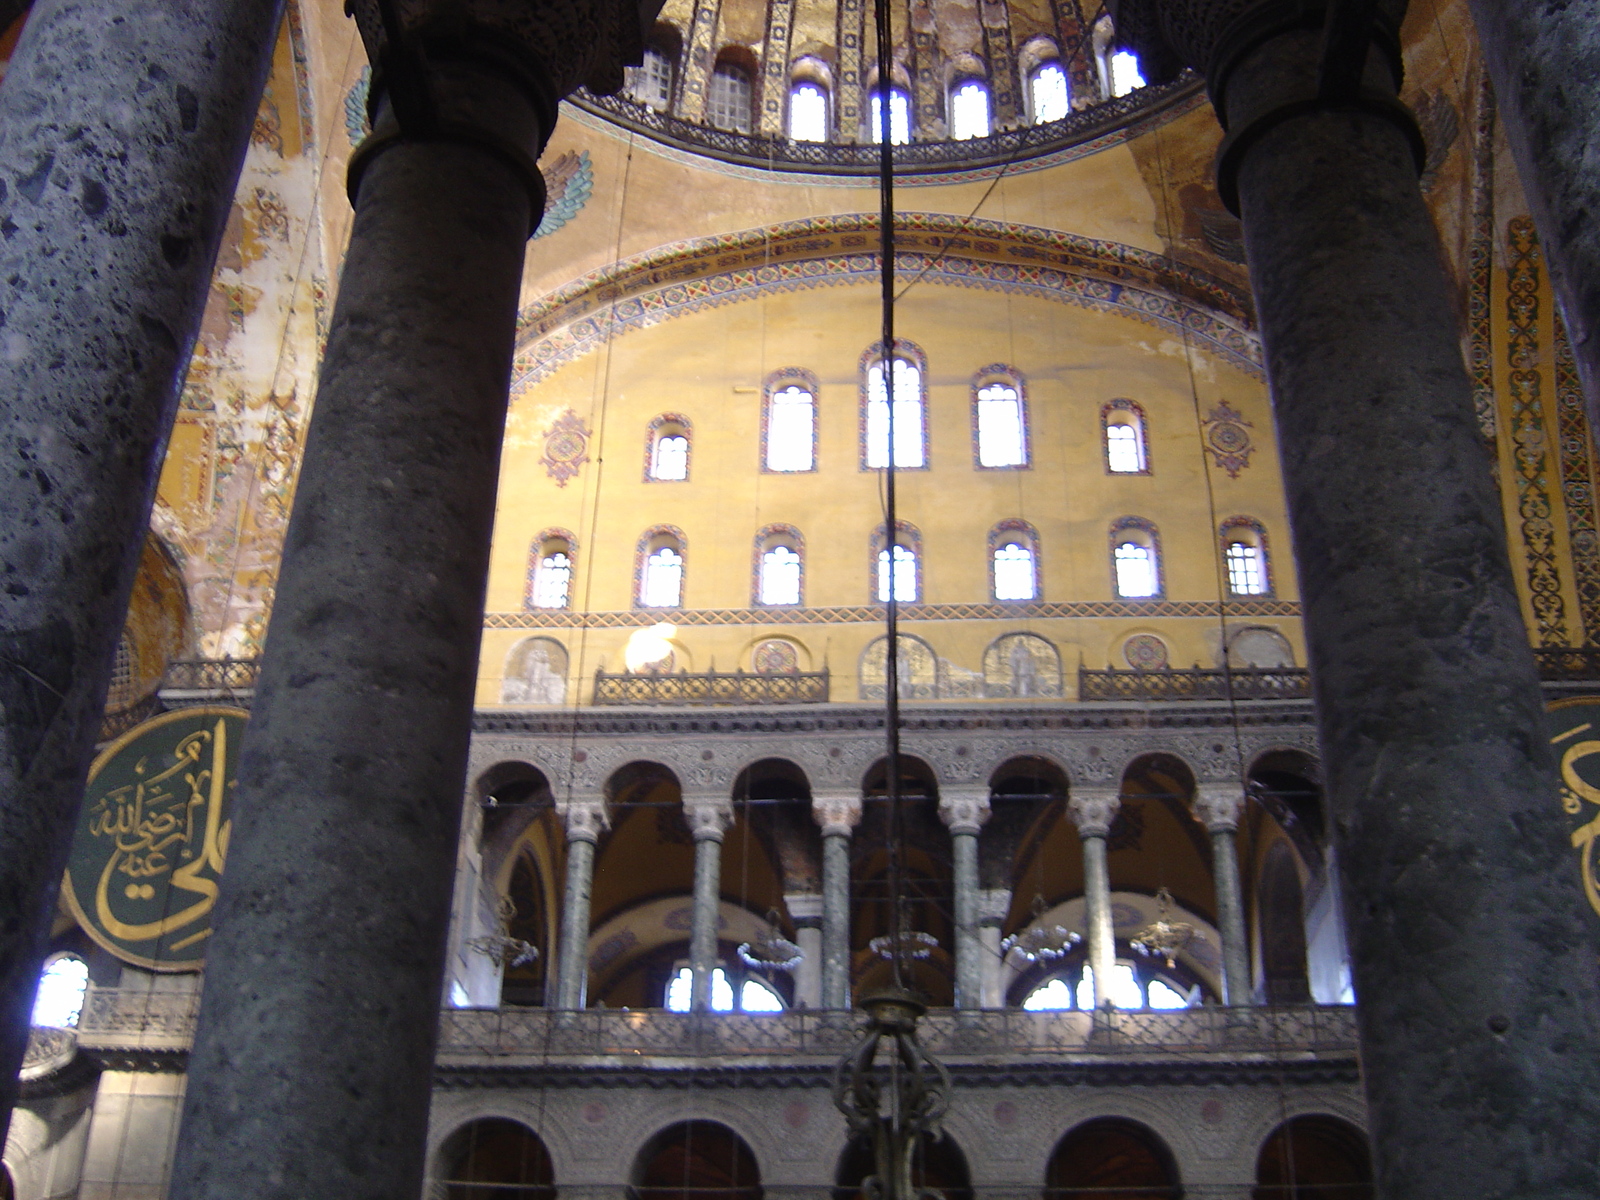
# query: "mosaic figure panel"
[[1019, 665], [536, 673], [1260, 648], [918, 669]]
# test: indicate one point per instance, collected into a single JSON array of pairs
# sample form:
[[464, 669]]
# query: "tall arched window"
[[910, 406], [899, 117], [789, 421], [779, 565], [650, 83], [667, 449], [1244, 555], [728, 104], [1126, 439], [1014, 561], [1123, 68], [808, 112], [899, 567], [740, 994], [999, 419], [659, 573], [550, 566], [62, 985], [1048, 95], [969, 111], [1135, 559]]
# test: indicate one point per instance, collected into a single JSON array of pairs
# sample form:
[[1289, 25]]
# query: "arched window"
[[999, 419], [779, 565], [1111, 1158], [1123, 68], [1314, 1158], [650, 83], [789, 421], [910, 409], [696, 1160], [728, 105], [659, 573], [667, 449], [746, 994], [901, 568], [551, 561], [1014, 561], [1126, 439], [969, 111], [1048, 95], [496, 1157], [899, 117], [1135, 559], [1244, 554], [62, 985], [808, 112]]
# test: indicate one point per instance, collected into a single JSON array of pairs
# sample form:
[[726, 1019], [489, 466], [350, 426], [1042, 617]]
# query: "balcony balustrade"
[[710, 688]]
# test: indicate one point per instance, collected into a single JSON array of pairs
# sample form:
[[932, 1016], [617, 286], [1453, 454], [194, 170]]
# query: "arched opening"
[[523, 983], [1111, 1159], [1283, 929], [7, 1190], [697, 1160], [496, 1159], [937, 1164], [1314, 1158]]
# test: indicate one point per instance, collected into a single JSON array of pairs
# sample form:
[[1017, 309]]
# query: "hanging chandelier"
[[1163, 938], [506, 951], [1039, 941], [769, 950]]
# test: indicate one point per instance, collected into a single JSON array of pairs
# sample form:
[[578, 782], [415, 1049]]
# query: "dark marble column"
[[1474, 970], [311, 1067], [709, 818], [1219, 806], [1092, 810], [964, 811], [585, 820], [1544, 60], [838, 813], [123, 124]]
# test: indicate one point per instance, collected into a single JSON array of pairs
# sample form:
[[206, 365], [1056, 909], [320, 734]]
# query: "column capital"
[[837, 812], [964, 810], [993, 905], [585, 817], [709, 817], [1219, 805], [805, 910], [1092, 809]]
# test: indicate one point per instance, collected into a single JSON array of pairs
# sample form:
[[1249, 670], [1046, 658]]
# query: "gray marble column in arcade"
[[709, 818], [1544, 60], [805, 910], [993, 906], [1092, 810], [1480, 1030], [311, 1066], [837, 813], [586, 820], [112, 211], [964, 811], [1218, 805]]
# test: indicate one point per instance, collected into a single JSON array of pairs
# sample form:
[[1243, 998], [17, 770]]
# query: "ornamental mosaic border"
[[1480, 262], [873, 613], [685, 277], [1576, 448]]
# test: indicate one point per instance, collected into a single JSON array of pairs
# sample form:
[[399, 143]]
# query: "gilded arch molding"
[[686, 277]]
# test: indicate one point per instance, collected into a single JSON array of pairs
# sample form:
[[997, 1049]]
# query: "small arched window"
[[1135, 559], [899, 566], [1048, 96], [662, 553], [667, 449], [550, 567], [752, 995], [62, 984], [969, 111], [1014, 561], [1244, 555], [728, 105], [899, 117], [999, 419], [1122, 66], [1126, 438], [789, 422], [808, 112], [779, 565], [910, 409], [650, 83]]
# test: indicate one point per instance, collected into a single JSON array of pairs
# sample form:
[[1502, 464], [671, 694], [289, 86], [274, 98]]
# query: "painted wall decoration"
[[536, 673], [1227, 438], [1019, 665], [566, 447], [568, 182], [152, 837], [775, 657], [1145, 652], [918, 669]]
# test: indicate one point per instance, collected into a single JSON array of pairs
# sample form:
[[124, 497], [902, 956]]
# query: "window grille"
[[1124, 449], [663, 579], [1047, 93], [1136, 571], [1002, 440], [808, 113], [969, 111], [729, 104], [899, 118], [1013, 573], [652, 80], [670, 458], [553, 583], [908, 416], [1125, 74], [904, 575], [780, 576], [791, 430], [1246, 576]]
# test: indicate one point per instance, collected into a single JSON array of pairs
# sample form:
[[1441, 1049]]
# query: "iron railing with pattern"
[[211, 675], [1568, 664], [711, 688], [1196, 683]]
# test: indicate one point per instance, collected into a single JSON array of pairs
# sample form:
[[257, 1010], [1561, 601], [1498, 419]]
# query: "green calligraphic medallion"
[[1575, 737], [153, 835]]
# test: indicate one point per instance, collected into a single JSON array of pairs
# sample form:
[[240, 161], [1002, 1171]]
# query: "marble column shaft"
[[709, 818], [1218, 805], [123, 126], [1093, 810], [585, 821], [964, 812], [993, 906], [838, 814]]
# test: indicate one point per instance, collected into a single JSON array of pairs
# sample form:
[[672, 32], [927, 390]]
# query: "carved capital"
[[1219, 805], [964, 810], [837, 812], [805, 910], [708, 816], [585, 818], [993, 905], [1093, 809]]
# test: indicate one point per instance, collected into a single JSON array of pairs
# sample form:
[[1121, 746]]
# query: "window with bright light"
[[904, 574], [652, 80], [754, 996], [1014, 577], [969, 111], [663, 579], [59, 1000], [1246, 576], [1161, 995], [780, 576], [899, 118], [1124, 450], [728, 105], [808, 113], [1002, 430], [1049, 997], [1124, 991], [669, 458], [791, 430], [1125, 74], [1136, 571], [552, 582], [907, 415], [1047, 93]]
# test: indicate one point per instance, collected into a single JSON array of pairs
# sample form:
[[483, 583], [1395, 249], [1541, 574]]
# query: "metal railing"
[[211, 675], [1196, 683], [711, 688]]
